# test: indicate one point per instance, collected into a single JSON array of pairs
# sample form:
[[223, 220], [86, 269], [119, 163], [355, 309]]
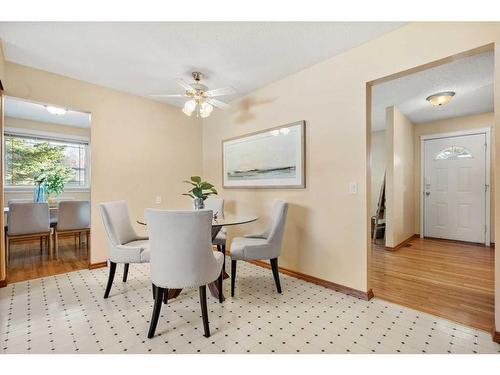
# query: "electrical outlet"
[[158, 199]]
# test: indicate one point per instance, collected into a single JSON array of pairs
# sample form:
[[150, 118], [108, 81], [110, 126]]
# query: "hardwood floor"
[[26, 261], [449, 279]]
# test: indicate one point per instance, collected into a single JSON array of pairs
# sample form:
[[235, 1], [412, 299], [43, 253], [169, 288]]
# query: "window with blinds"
[[27, 156]]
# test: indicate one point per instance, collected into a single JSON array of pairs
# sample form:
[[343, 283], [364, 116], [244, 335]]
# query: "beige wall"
[[400, 187], [140, 148], [378, 155], [327, 231], [483, 120]]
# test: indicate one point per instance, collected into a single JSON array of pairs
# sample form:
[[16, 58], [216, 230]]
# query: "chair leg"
[[274, 266], [56, 245], [112, 269], [223, 250], [125, 272], [165, 296], [233, 276], [204, 310], [7, 250], [153, 289], [49, 253], [219, 284], [156, 311], [41, 245]]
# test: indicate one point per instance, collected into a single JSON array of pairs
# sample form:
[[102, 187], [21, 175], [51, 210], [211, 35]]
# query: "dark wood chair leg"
[[204, 310], [156, 311], [153, 289], [223, 249], [125, 272], [112, 269], [233, 276], [276, 274], [219, 284]]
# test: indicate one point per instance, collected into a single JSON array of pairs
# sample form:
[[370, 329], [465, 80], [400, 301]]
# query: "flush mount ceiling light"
[[201, 100], [440, 98], [55, 110]]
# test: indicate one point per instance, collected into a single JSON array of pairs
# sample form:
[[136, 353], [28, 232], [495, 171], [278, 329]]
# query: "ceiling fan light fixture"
[[440, 98], [186, 112], [200, 100], [205, 109], [189, 107]]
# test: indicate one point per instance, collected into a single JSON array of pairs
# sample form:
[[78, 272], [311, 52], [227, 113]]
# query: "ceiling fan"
[[201, 100]]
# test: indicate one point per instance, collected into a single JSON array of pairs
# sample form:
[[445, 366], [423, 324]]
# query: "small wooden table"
[[217, 225]]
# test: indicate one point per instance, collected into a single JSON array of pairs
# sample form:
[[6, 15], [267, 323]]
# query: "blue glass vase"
[[39, 194]]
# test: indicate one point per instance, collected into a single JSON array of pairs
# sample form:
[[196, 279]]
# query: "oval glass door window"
[[453, 153]]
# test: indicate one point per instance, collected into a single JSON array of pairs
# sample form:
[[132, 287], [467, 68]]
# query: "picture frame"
[[273, 158]]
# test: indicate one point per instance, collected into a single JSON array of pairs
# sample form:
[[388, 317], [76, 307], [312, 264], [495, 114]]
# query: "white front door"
[[454, 190]]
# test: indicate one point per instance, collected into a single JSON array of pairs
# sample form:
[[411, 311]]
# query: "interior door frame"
[[487, 133], [3, 268]]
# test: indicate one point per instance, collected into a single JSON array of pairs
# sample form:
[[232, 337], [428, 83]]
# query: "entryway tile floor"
[[66, 313]]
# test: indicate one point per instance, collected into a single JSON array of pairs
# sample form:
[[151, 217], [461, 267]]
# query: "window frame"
[[453, 154], [22, 132]]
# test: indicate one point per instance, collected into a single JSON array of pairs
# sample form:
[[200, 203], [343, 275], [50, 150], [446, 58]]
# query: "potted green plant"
[[53, 181], [200, 191]]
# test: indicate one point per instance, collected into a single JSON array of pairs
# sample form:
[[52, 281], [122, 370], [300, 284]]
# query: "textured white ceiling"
[[19, 108], [145, 58], [471, 78]]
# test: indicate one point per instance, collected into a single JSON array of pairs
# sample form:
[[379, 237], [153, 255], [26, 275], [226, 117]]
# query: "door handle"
[[427, 193]]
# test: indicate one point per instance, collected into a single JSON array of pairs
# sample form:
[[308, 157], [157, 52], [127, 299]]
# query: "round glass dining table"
[[217, 223]]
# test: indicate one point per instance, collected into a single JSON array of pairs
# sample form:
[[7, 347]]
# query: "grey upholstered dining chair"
[[181, 256], [54, 213], [216, 204], [262, 246], [124, 244], [73, 219], [27, 220]]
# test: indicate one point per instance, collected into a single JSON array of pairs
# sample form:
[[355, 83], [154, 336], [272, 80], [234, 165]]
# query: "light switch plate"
[[353, 188], [158, 199]]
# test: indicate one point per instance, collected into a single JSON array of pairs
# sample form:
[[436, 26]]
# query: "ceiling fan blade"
[[184, 84], [218, 103], [168, 95], [220, 92]]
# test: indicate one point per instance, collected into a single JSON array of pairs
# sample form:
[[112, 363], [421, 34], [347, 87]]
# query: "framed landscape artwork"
[[272, 158]]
